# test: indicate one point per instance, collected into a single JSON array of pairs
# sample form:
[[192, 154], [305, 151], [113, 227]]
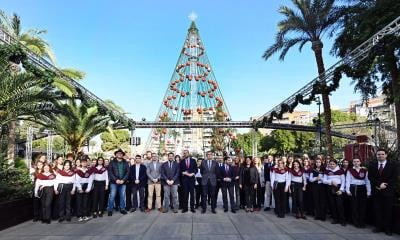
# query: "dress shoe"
[[233, 211], [225, 210], [184, 210], [267, 209], [389, 233], [133, 209], [109, 213], [213, 211], [175, 211], [203, 211], [100, 214], [192, 210], [343, 224], [163, 210], [334, 222], [68, 219], [61, 220], [377, 230], [142, 209], [94, 215], [123, 212]]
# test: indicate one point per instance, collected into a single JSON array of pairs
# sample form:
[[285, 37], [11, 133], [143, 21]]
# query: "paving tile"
[[216, 228]]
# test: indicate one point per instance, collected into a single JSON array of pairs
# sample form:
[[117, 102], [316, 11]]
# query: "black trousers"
[[358, 204], [180, 196], [308, 199], [228, 189], [135, 189], [336, 204], [297, 198], [37, 209], [128, 195], [319, 200], [259, 196], [217, 188], [99, 193], [82, 199], [280, 199], [383, 208], [249, 193], [198, 192], [188, 189], [65, 201], [56, 207], [209, 187], [46, 200]]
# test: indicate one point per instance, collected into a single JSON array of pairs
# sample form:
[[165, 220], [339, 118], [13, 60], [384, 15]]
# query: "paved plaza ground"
[[226, 226]]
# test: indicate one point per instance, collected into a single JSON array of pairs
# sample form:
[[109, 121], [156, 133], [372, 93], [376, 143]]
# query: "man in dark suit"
[[383, 176], [188, 169], [226, 177], [138, 178], [169, 180], [209, 171]]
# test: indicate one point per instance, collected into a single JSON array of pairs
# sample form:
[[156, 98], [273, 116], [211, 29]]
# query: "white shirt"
[[338, 179], [313, 179], [81, 180], [101, 177], [351, 180], [137, 168], [383, 164], [65, 180], [43, 183], [280, 178], [298, 179]]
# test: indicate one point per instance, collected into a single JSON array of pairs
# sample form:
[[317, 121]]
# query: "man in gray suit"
[[209, 171], [154, 182], [170, 180]]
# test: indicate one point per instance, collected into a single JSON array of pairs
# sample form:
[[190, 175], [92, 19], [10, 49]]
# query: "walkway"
[[226, 226]]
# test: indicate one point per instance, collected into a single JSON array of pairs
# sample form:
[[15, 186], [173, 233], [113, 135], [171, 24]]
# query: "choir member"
[[44, 190], [64, 186], [318, 190], [100, 186], [84, 182], [280, 186], [334, 178], [298, 183]]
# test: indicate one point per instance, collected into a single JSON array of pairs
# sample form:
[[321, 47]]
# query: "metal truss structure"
[[238, 124], [354, 57]]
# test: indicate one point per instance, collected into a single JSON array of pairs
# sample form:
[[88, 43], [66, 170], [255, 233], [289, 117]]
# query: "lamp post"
[[318, 100]]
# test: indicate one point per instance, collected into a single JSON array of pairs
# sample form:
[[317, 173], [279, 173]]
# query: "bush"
[[15, 183]]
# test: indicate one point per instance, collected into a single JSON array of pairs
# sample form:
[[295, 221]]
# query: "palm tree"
[[77, 124], [32, 40], [308, 22]]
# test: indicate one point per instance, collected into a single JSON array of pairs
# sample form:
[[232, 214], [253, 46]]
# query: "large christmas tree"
[[193, 94]]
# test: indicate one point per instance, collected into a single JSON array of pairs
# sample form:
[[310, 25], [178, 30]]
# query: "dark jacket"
[[253, 175], [142, 175], [191, 169], [226, 174], [389, 176], [113, 171], [168, 173], [209, 173], [267, 172]]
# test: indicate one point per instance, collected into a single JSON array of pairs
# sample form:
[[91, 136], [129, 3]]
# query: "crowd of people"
[[317, 187]]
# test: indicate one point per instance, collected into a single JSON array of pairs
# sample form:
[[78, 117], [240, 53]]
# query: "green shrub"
[[15, 183]]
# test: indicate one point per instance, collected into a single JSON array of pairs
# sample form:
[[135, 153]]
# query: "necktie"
[[209, 164], [380, 168], [187, 163], [170, 165], [226, 170]]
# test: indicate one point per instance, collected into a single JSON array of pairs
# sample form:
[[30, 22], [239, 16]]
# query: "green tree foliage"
[[41, 144], [114, 140], [245, 141]]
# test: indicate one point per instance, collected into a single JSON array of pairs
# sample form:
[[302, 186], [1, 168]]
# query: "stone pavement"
[[226, 226]]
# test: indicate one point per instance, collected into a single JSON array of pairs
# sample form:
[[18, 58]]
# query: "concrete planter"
[[15, 212]]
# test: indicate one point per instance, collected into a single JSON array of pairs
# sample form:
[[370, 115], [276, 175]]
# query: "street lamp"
[[318, 100]]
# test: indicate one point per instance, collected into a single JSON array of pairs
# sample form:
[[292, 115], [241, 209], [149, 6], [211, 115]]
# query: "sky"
[[129, 48]]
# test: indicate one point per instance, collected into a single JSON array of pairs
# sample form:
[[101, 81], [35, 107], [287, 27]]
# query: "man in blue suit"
[[188, 169], [227, 177], [138, 178]]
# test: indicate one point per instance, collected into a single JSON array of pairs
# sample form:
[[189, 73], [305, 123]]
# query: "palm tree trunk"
[[11, 143], [317, 48]]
